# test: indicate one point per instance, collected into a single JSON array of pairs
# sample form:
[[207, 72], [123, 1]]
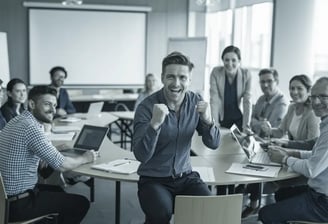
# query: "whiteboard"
[[4, 59], [195, 48], [95, 47]]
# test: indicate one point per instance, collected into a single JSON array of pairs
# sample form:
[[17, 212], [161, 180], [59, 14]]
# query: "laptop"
[[95, 108], [252, 149], [90, 138]]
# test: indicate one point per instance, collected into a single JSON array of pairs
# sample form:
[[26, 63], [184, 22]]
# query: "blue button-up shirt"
[[166, 151]]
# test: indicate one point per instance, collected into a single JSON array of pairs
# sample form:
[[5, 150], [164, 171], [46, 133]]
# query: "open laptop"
[[90, 138], [95, 108], [253, 150]]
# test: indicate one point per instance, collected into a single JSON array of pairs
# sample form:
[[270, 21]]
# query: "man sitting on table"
[[64, 105], [306, 203], [164, 124], [23, 143]]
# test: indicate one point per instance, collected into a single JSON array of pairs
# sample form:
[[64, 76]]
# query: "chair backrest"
[[3, 203], [208, 209]]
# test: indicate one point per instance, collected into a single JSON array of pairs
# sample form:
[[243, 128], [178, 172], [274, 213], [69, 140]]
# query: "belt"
[[172, 177], [18, 196]]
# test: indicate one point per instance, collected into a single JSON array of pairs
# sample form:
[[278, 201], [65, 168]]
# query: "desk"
[[124, 123], [220, 163]]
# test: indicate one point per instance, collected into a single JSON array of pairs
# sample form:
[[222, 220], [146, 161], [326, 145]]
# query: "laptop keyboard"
[[261, 158]]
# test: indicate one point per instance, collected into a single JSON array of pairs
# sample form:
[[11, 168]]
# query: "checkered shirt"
[[23, 143]]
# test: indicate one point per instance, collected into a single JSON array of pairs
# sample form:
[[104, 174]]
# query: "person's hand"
[[90, 156], [61, 112], [279, 142], [203, 108], [248, 131], [277, 154], [266, 128], [160, 111]]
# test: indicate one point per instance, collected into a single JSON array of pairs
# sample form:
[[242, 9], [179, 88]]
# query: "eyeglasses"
[[320, 97], [269, 82]]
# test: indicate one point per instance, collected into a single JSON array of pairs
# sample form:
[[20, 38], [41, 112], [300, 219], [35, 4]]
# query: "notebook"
[[121, 166], [90, 138], [252, 149]]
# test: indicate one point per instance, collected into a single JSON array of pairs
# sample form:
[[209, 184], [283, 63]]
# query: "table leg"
[[117, 202]]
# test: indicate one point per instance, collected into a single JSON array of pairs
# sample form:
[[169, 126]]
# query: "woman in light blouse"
[[229, 86], [150, 87]]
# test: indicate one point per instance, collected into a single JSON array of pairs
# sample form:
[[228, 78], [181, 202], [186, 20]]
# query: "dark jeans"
[[306, 205], [157, 195], [44, 200]]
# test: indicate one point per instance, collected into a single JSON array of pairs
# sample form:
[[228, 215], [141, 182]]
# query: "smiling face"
[[320, 106], [231, 62], [18, 93], [44, 108], [268, 84], [57, 79], [298, 92], [176, 80]]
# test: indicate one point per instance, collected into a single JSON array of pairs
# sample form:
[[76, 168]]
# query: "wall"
[[292, 46], [168, 18]]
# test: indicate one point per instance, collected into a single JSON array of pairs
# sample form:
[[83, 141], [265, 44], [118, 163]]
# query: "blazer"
[[308, 127], [9, 110], [217, 82], [64, 102]]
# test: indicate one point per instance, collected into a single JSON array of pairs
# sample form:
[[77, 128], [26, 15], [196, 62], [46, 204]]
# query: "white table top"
[[127, 115]]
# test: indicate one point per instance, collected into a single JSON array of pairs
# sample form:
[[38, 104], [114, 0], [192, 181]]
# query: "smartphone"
[[255, 167]]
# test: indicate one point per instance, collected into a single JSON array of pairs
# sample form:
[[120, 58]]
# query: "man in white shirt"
[[309, 203]]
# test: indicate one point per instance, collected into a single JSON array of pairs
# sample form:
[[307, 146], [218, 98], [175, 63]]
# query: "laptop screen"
[[91, 137], [247, 143]]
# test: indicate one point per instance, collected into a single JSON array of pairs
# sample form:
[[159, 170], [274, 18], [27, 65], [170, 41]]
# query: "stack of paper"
[[269, 171], [121, 166], [65, 129], [70, 119]]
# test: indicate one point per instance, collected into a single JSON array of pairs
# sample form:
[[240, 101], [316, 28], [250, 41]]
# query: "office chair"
[[4, 210], [208, 209]]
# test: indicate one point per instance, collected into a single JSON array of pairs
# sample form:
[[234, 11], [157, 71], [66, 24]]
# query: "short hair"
[[13, 82], [57, 68], [304, 79], [177, 58], [270, 71], [37, 91], [322, 79], [232, 49]]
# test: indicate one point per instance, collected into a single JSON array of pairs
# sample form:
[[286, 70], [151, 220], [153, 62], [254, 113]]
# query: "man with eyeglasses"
[[309, 203], [272, 105], [64, 105]]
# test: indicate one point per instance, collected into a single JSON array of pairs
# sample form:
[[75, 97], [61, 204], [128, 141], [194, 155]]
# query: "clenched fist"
[[160, 111], [203, 108]]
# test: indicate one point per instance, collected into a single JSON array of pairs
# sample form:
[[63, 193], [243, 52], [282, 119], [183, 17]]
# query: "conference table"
[[220, 160]]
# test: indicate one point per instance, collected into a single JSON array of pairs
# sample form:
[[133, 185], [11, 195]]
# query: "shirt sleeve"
[[39, 144], [144, 137]]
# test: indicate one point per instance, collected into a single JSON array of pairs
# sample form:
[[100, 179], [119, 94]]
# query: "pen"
[[123, 163]]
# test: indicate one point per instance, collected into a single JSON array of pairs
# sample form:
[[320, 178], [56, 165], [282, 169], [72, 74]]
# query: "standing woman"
[[17, 95], [229, 85]]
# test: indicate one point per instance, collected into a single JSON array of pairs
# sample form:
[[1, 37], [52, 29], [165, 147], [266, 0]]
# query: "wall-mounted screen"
[[95, 47]]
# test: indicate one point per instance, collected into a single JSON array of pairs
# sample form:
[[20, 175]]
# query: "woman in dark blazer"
[[17, 95]]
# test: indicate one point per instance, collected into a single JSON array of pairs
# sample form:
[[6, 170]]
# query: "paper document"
[[268, 171], [70, 119], [121, 166], [206, 173], [68, 136], [61, 129]]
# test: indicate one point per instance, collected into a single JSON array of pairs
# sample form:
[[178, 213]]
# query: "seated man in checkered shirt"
[[23, 143]]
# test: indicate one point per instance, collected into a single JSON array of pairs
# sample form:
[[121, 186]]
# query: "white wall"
[[292, 40]]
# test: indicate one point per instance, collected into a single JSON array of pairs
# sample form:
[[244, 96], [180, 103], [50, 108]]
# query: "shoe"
[[249, 211]]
